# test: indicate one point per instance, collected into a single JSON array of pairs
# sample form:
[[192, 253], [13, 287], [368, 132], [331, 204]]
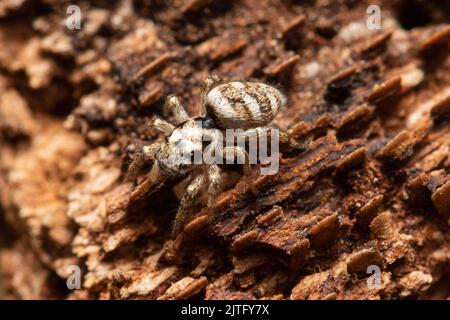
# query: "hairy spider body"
[[225, 105], [243, 105]]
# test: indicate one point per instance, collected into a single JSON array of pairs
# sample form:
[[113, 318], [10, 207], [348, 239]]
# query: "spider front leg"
[[147, 154], [155, 179], [186, 203], [162, 126], [174, 106]]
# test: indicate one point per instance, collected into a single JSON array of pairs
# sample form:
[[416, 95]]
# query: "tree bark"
[[370, 192]]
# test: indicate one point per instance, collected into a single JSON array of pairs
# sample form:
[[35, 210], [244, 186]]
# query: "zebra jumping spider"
[[224, 105]]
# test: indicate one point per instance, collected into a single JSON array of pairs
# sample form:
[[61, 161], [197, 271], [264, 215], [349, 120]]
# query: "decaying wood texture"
[[371, 188]]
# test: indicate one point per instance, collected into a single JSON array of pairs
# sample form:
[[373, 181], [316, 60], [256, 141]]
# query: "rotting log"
[[371, 188]]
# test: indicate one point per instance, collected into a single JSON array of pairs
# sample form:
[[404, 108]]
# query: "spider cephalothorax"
[[224, 105]]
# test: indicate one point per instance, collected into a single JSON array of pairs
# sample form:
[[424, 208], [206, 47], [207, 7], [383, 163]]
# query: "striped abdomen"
[[243, 104]]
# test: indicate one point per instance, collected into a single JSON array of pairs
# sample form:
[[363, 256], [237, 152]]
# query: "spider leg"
[[186, 202], [154, 180], [174, 106], [283, 137], [210, 82], [214, 181], [286, 139], [163, 126], [232, 152], [147, 153]]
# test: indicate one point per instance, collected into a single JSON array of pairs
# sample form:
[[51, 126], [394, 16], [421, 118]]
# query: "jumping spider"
[[245, 105]]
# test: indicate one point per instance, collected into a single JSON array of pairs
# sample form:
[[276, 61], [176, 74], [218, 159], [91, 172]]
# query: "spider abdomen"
[[243, 104]]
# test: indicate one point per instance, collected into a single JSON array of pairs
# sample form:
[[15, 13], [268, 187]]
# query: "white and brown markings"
[[243, 105], [224, 105]]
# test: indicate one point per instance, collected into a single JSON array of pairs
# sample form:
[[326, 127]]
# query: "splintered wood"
[[370, 190]]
